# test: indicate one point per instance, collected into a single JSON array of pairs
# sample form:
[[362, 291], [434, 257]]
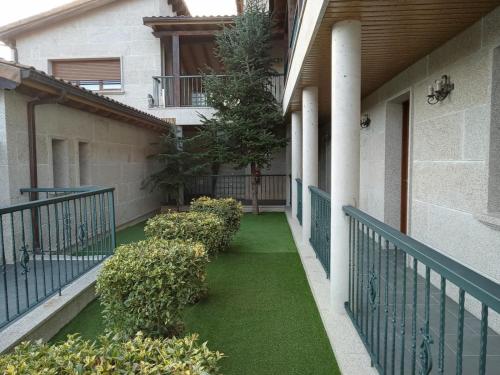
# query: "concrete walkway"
[[351, 355]]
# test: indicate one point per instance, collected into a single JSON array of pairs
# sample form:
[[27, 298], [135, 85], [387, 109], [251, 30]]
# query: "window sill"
[[109, 92], [490, 219]]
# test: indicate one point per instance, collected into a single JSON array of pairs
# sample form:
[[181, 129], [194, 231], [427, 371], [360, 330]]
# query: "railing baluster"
[[414, 319], [33, 241], [403, 319], [58, 248], [379, 295], [442, 322], [350, 261], [25, 260], [4, 271], [460, 329], [483, 343], [394, 310], [386, 303], [49, 237], [42, 248], [14, 256]]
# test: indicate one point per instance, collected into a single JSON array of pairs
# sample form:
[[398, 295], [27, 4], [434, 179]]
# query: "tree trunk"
[[255, 187]]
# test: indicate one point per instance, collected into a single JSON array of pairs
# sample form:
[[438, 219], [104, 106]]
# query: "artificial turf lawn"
[[259, 311]]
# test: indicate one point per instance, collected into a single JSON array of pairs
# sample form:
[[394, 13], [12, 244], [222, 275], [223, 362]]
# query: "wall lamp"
[[365, 121], [440, 90]]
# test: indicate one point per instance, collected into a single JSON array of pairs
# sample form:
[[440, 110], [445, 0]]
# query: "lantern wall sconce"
[[365, 121], [440, 90]]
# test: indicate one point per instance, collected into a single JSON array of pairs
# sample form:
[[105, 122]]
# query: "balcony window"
[[91, 74]]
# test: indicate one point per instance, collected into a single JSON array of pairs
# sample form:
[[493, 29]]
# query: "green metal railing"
[[320, 226], [408, 303], [49, 242], [271, 188], [299, 200]]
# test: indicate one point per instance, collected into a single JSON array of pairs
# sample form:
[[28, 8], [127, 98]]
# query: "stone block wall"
[[116, 155], [450, 162]]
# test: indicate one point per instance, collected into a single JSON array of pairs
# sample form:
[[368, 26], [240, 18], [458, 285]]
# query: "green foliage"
[[146, 284], [247, 126], [111, 355], [179, 159], [195, 226], [227, 209]]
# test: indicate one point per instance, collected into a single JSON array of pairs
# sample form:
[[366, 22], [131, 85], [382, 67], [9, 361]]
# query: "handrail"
[[44, 202], [47, 243], [475, 284], [321, 193]]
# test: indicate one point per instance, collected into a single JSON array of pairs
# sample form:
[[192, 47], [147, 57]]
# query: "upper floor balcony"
[[189, 91]]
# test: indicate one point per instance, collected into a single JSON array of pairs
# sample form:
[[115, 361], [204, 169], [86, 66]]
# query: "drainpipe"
[[33, 157]]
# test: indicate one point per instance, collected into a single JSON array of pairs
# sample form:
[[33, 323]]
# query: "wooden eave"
[[395, 35], [37, 84], [163, 26]]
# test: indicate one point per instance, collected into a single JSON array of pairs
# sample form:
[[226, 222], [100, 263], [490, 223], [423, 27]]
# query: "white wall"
[[448, 152], [114, 30], [118, 153]]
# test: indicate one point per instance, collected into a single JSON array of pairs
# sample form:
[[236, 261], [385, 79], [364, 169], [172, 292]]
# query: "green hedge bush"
[[228, 209], [196, 226], [110, 355], [146, 285]]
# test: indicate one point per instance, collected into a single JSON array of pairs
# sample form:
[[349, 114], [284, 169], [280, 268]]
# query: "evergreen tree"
[[179, 159], [245, 129]]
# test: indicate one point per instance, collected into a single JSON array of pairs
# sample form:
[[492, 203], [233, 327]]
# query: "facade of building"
[[398, 121]]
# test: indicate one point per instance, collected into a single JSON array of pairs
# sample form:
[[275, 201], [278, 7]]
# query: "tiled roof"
[[30, 73]]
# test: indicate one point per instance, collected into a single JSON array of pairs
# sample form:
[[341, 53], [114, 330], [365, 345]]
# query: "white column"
[[346, 103], [296, 157], [309, 155]]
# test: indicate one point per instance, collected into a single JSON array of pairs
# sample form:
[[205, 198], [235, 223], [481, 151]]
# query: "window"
[[92, 74], [84, 163]]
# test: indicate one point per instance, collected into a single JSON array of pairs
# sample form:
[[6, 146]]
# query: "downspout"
[[32, 136], [33, 157]]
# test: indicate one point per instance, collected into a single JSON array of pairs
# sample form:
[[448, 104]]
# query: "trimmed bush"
[[110, 355], [145, 285], [195, 226], [228, 209]]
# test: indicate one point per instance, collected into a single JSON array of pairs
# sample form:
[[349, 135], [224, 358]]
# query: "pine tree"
[[179, 160], [245, 129]]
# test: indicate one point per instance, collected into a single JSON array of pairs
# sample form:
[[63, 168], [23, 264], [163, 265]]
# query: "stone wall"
[[116, 154], [114, 30], [449, 149]]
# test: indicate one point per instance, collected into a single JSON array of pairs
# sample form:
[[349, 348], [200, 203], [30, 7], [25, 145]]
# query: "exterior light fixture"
[[440, 90], [365, 121]]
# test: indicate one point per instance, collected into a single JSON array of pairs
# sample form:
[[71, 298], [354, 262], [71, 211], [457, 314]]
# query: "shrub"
[[228, 209], [145, 285], [110, 355], [196, 226]]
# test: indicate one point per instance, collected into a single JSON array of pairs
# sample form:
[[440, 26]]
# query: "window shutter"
[[87, 70]]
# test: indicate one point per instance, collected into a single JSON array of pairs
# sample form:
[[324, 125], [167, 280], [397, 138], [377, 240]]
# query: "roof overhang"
[[37, 84], [164, 26], [395, 35], [9, 32]]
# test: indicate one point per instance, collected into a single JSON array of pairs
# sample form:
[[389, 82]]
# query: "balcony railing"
[[272, 188], [47, 243], [320, 226], [408, 303], [189, 91]]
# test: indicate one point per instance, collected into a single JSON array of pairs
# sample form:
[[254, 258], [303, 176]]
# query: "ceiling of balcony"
[[395, 34]]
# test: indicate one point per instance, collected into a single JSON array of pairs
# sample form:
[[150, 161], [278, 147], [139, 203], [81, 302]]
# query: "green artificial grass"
[[259, 311]]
